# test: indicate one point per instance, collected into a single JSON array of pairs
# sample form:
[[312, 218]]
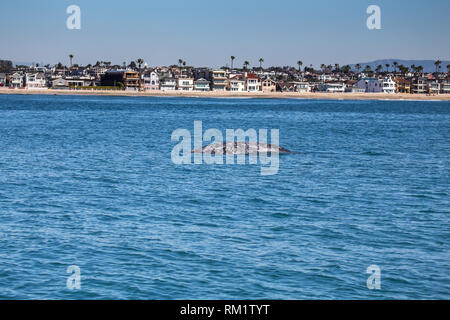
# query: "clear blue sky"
[[208, 32]]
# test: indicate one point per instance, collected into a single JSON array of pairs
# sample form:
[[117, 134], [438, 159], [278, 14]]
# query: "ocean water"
[[89, 181]]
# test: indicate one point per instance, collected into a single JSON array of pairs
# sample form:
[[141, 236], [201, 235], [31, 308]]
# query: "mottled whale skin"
[[235, 148]]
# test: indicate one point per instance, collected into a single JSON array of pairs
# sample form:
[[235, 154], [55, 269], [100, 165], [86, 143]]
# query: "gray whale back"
[[240, 148]]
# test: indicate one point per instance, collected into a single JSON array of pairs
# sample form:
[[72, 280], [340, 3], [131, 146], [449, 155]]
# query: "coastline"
[[228, 94]]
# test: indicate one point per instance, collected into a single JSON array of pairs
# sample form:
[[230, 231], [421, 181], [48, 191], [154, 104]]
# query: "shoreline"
[[228, 94]]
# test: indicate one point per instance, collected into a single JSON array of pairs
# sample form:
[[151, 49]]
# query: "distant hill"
[[428, 65]]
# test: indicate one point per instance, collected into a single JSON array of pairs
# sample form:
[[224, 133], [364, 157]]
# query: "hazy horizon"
[[207, 34]]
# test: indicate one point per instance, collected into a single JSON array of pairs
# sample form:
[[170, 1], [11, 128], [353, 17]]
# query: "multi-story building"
[[168, 83], [369, 85], [219, 80], [35, 81], [434, 87], [253, 82], [269, 85], [237, 84], [201, 85], [419, 85], [403, 85], [151, 81], [332, 87], [129, 79], [16, 80], [389, 85], [445, 86], [185, 84]]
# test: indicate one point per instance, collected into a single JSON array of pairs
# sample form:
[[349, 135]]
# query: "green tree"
[[232, 61], [71, 58], [437, 64], [6, 66], [261, 60], [246, 64], [140, 63], [299, 63]]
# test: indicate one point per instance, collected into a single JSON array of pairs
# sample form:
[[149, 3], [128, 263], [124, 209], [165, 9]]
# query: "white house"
[[253, 82], [35, 81], [332, 87], [237, 84], [389, 85], [369, 85], [16, 81], [185, 84], [303, 87], [151, 81], [168, 84]]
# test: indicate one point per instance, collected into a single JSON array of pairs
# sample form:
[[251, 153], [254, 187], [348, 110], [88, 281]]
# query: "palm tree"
[[358, 67], [71, 57], [140, 63], [232, 60], [246, 64], [180, 62], [448, 68], [387, 66], [419, 69], [379, 68], [438, 63], [261, 60], [299, 63], [414, 68], [323, 67], [395, 63], [336, 67]]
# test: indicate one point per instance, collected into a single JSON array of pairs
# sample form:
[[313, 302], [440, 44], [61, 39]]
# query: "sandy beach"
[[228, 94]]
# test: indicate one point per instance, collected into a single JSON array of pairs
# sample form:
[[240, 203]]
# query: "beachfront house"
[[2, 80], [201, 85], [35, 81], [168, 83], [269, 85], [252, 82], [60, 83], [389, 85], [186, 84], [332, 87], [219, 80], [369, 85], [403, 85], [419, 85], [445, 86], [434, 87], [129, 79], [237, 84], [151, 81], [303, 87], [16, 80]]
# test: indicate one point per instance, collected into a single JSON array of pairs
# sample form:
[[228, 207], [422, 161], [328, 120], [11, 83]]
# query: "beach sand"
[[228, 94]]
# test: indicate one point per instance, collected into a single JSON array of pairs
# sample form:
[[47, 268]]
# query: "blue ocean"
[[88, 181]]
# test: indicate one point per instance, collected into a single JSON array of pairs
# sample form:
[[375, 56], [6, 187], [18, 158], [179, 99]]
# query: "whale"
[[240, 148]]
